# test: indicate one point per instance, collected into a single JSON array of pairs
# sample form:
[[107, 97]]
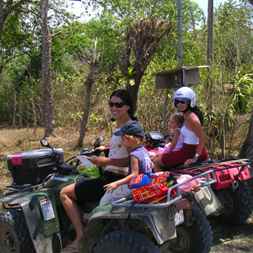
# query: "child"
[[175, 123], [132, 139]]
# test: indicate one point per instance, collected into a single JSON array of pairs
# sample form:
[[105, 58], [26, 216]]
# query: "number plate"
[[179, 217], [47, 209]]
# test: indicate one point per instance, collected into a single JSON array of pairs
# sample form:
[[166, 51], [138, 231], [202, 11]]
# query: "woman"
[[115, 166], [193, 149]]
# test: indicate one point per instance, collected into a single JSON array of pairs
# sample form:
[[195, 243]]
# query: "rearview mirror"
[[44, 142], [98, 142]]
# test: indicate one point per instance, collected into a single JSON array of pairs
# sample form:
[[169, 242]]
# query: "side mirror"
[[44, 143], [98, 142]]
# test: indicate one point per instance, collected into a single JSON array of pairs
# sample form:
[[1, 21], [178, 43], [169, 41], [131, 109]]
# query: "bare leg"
[[68, 200]]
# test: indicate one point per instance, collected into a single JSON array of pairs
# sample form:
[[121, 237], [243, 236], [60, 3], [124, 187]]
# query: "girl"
[[175, 123]]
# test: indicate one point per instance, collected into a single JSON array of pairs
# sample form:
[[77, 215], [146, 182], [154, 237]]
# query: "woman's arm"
[[134, 172], [104, 161]]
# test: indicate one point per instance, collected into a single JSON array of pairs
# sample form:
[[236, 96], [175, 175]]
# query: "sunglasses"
[[181, 101], [116, 104]]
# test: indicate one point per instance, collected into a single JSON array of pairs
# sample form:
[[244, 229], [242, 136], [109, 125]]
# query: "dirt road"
[[233, 239]]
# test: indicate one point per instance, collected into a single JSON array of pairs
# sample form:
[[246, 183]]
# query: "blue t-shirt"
[[145, 163]]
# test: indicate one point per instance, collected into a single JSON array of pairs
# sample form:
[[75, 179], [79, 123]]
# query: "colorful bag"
[[149, 193], [153, 192], [139, 181]]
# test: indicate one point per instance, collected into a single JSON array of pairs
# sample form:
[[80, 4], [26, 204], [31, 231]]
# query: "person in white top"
[[115, 167], [193, 149]]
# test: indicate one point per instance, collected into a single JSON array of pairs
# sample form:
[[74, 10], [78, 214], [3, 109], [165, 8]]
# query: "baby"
[[175, 123]]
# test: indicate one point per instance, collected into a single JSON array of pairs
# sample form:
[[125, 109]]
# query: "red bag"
[[155, 191], [150, 193]]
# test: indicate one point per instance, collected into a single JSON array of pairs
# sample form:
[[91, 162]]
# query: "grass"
[[18, 140]]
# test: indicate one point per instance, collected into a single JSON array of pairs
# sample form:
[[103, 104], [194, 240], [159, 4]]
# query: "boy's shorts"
[[110, 196]]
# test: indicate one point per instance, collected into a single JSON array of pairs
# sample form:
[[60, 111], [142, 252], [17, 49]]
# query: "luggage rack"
[[208, 179]]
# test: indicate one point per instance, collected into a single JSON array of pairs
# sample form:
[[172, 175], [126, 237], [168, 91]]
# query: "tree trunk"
[[14, 115], [88, 84], [46, 71], [180, 47], [247, 147], [210, 55], [134, 89]]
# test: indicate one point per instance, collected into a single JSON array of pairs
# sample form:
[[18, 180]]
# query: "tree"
[[142, 41], [46, 71], [9, 7], [247, 147]]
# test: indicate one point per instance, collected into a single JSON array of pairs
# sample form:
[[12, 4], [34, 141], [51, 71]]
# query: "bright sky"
[[75, 6], [204, 3]]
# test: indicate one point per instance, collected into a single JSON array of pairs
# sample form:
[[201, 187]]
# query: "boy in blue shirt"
[[140, 163]]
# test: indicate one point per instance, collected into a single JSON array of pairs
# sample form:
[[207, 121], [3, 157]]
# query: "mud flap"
[[162, 231], [34, 220], [208, 201]]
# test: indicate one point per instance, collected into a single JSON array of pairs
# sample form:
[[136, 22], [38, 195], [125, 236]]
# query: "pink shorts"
[[178, 157]]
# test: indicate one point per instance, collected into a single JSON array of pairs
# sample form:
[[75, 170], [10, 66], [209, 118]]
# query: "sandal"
[[73, 247]]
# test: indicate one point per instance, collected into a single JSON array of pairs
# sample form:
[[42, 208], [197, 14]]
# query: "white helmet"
[[186, 94]]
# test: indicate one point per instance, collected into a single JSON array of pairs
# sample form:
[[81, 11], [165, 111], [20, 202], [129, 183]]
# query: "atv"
[[32, 219], [234, 198]]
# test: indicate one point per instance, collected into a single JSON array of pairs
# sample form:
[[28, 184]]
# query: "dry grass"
[[17, 140]]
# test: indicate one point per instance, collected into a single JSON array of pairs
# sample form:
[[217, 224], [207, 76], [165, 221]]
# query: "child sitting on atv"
[[140, 162], [175, 123]]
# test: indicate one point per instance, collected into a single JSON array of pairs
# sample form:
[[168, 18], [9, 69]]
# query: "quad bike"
[[32, 219], [234, 198]]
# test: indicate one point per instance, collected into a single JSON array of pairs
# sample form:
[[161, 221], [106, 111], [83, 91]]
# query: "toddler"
[[175, 123], [140, 162]]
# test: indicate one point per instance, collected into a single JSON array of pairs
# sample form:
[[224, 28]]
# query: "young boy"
[[132, 139]]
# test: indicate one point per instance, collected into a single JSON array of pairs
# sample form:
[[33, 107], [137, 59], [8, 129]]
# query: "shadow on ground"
[[232, 239]]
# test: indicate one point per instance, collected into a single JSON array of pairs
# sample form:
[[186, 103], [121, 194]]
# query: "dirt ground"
[[232, 239]]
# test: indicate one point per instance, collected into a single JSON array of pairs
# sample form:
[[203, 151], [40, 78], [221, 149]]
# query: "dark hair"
[[198, 112], [179, 118], [126, 99]]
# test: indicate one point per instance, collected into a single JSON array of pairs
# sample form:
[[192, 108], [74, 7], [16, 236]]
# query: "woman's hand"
[[102, 148], [189, 161], [112, 186], [192, 160], [99, 160]]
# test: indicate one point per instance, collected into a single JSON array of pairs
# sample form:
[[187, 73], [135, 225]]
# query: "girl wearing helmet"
[[193, 149]]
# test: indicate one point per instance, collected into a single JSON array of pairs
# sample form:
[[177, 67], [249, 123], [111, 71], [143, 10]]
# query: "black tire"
[[238, 204], [125, 242], [196, 238], [14, 235]]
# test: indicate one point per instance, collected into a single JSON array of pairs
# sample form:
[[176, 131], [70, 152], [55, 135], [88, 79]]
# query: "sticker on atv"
[[179, 217], [47, 209]]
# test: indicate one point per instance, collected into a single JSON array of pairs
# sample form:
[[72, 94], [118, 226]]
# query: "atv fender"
[[160, 222], [33, 217]]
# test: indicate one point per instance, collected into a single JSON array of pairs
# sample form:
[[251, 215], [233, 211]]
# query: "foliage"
[[103, 38]]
